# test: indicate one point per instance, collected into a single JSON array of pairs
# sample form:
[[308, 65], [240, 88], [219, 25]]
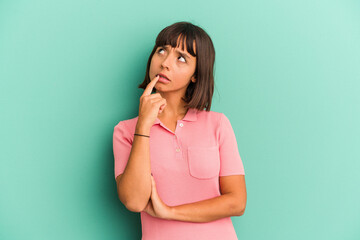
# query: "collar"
[[190, 116]]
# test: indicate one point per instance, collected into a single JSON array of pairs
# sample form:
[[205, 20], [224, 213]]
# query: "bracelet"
[[141, 135]]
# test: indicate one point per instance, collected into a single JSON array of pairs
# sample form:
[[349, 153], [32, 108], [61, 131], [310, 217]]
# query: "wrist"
[[142, 129], [172, 213]]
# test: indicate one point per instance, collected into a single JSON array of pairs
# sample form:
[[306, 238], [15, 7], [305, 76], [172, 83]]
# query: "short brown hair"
[[199, 94]]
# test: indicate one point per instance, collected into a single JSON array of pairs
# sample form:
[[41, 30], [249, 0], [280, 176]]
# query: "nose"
[[166, 62]]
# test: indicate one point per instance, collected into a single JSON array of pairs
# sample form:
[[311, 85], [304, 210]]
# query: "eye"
[[183, 58], [160, 50]]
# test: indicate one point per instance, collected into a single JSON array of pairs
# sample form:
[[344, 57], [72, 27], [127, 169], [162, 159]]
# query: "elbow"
[[135, 207], [238, 208], [133, 201], [241, 212], [240, 205]]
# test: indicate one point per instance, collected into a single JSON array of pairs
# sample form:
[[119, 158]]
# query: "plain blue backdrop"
[[286, 75]]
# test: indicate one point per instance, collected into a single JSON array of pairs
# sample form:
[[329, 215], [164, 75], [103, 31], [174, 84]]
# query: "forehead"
[[181, 42], [178, 50]]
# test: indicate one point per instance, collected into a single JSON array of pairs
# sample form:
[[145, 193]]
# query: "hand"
[[150, 104], [156, 207]]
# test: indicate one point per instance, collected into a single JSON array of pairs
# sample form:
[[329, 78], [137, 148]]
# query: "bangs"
[[183, 35], [176, 37]]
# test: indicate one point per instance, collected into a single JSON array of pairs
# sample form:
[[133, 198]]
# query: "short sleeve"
[[122, 144], [230, 160]]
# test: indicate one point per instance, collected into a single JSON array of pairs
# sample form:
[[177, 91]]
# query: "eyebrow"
[[183, 53]]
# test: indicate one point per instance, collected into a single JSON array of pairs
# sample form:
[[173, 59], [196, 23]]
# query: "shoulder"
[[216, 120], [128, 125], [212, 116]]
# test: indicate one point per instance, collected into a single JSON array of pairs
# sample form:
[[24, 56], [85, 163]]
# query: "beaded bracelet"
[[141, 135]]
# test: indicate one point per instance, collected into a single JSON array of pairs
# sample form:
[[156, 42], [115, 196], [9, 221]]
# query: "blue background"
[[286, 75]]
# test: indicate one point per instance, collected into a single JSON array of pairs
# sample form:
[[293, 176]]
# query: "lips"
[[164, 76]]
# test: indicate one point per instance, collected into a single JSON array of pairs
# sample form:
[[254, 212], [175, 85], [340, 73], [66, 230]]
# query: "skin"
[[180, 71], [232, 201]]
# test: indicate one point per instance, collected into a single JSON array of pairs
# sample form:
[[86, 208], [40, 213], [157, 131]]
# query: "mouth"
[[163, 76]]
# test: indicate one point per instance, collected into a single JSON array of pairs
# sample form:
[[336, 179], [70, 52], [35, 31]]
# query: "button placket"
[[177, 145], [178, 150]]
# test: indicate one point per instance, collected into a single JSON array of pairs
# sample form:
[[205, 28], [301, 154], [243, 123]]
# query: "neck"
[[175, 106]]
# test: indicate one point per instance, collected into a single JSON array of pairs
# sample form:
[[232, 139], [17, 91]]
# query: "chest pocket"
[[204, 162]]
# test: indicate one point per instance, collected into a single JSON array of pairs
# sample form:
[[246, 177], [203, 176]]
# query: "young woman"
[[176, 163]]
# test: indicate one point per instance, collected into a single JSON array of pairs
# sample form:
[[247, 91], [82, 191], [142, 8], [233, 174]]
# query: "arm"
[[232, 202], [134, 184]]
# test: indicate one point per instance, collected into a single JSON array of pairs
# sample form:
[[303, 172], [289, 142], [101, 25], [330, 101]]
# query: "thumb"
[[153, 188], [152, 181]]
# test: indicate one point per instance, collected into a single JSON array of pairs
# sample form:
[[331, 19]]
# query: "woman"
[[177, 163]]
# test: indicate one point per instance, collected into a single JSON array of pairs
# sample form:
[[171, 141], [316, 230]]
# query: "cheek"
[[153, 65], [181, 78], [185, 73], [155, 59]]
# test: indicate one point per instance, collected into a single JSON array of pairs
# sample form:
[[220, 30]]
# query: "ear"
[[193, 79]]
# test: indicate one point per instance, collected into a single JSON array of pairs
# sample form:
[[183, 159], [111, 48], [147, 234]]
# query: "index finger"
[[150, 86]]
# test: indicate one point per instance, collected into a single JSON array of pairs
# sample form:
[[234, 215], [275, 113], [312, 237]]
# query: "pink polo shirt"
[[186, 165]]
